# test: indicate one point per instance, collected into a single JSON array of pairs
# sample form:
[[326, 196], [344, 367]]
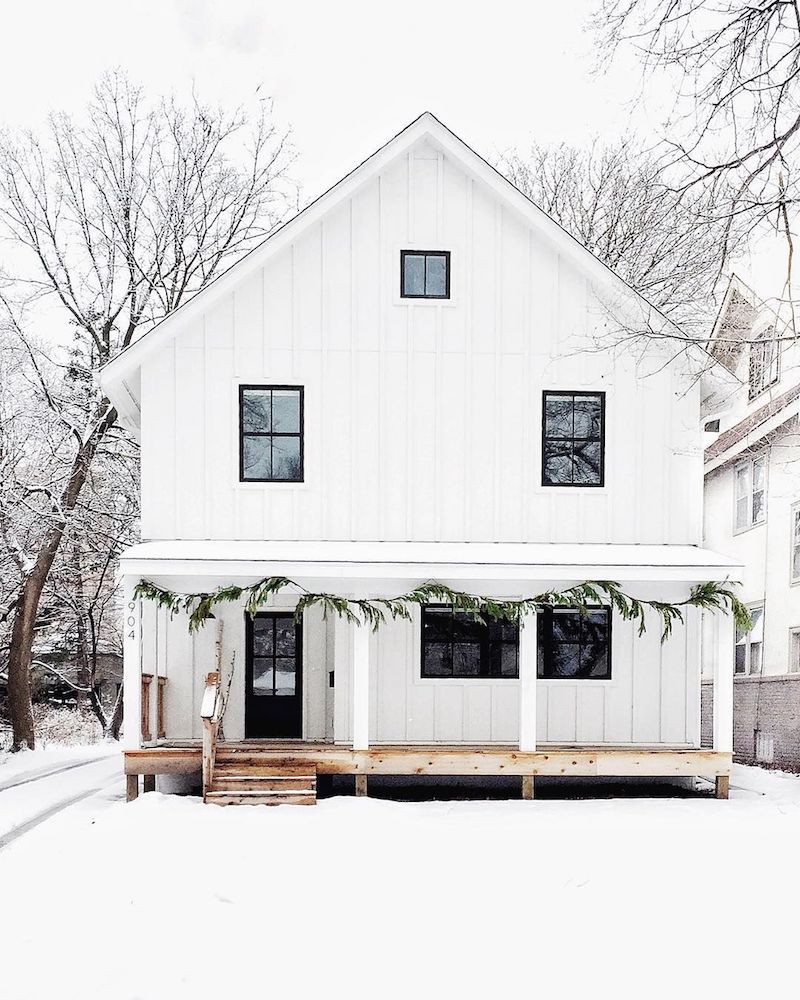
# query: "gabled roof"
[[119, 375], [735, 318], [753, 428]]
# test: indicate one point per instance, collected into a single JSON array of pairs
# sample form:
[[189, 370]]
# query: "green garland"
[[375, 611]]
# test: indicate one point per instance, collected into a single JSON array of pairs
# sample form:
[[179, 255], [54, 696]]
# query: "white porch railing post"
[[132, 665], [360, 679], [528, 656], [723, 685]]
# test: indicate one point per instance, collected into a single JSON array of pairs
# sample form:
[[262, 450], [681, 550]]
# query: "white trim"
[[794, 541], [132, 664], [723, 685], [528, 669], [359, 646]]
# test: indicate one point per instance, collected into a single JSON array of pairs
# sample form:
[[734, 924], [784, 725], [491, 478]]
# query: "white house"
[[403, 384], [752, 512]]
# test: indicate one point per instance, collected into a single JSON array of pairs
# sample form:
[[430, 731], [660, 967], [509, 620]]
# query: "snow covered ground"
[[167, 898]]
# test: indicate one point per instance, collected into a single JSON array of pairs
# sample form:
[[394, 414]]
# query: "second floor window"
[[270, 434], [573, 439], [750, 486], [764, 363], [425, 274]]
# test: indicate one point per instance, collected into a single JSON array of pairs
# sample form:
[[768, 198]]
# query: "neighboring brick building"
[[752, 512]]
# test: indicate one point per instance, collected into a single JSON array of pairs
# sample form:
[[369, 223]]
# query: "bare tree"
[[613, 199], [735, 129], [120, 216]]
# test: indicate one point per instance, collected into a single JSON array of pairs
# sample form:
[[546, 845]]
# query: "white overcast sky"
[[345, 75]]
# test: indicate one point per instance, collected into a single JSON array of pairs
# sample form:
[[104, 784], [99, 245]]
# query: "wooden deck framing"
[[328, 758]]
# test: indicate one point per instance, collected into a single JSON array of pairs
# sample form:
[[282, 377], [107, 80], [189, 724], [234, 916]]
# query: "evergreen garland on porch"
[[375, 611]]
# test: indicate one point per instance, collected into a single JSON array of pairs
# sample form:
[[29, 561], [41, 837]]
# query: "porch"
[[365, 707], [437, 760]]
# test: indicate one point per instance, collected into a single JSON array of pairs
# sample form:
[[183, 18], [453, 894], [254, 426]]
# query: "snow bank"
[[366, 898]]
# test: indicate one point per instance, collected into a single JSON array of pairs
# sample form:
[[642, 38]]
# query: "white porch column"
[[359, 645], [528, 655], [723, 684], [132, 665]]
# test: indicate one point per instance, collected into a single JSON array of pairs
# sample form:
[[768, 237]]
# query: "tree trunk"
[[115, 724], [27, 604]]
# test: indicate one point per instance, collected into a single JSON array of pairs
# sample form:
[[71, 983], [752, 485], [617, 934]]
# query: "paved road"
[[31, 799]]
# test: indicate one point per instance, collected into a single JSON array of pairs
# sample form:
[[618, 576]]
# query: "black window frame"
[[576, 394], [425, 253], [487, 661], [263, 387], [545, 642]]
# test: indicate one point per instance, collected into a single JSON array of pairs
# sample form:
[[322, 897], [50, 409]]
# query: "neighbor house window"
[[574, 645], [764, 362], [425, 274], [750, 645], [794, 651], [271, 433], [750, 486], [795, 536], [573, 438], [454, 644]]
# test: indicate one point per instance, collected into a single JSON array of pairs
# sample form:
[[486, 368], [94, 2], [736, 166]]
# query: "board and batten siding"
[[653, 696], [422, 420]]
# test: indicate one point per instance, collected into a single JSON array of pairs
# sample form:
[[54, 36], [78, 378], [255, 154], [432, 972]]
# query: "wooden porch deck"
[[440, 759]]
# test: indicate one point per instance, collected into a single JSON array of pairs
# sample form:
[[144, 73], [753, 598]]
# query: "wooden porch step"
[[290, 798], [278, 784], [254, 778]]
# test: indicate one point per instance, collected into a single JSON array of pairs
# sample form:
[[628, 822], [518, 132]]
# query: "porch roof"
[[496, 562]]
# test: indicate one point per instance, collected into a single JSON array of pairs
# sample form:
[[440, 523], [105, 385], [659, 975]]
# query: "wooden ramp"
[[247, 778]]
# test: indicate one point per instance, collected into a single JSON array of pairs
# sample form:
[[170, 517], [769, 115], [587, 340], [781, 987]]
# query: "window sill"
[[267, 485], [750, 527]]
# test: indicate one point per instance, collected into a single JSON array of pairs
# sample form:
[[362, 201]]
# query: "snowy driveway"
[[167, 899], [48, 787]]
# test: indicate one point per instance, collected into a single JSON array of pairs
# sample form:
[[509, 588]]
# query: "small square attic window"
[[425, 274]]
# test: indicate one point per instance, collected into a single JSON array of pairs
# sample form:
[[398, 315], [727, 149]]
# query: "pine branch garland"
[[375, 612]]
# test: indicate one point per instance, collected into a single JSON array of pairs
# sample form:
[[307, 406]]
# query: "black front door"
[[274, 692]]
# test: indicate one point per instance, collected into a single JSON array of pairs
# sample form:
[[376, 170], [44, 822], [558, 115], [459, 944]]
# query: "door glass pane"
[[286, 458], [436, 275], [256, 454], [262, 636], [263, 677], [256, 410], [284, 636], [284, 676], [286, 411], [414, 274]]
